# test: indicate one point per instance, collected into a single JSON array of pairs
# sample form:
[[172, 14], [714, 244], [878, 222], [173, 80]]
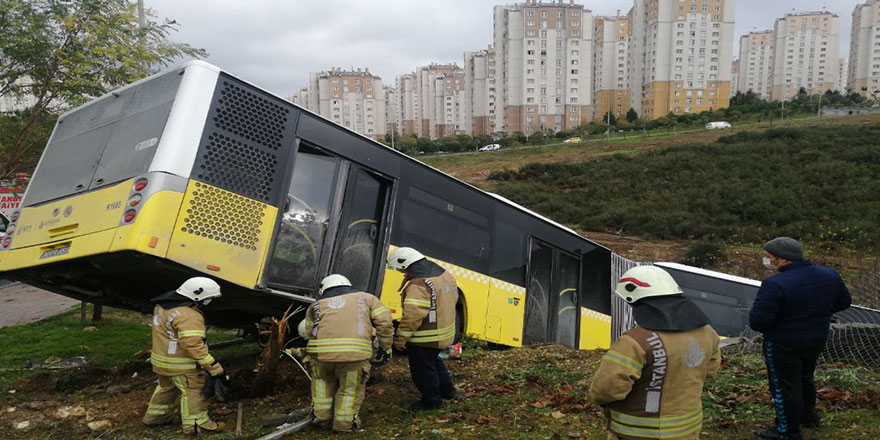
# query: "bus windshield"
[[105, 142]]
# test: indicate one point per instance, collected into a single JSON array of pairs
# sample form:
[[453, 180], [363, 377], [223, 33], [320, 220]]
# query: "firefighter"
[[427, 325], [649, 382], [179, 355], [340, 327]]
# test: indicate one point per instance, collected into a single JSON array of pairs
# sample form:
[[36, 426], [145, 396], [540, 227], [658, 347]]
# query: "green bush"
[[703, 254], [821, 184]]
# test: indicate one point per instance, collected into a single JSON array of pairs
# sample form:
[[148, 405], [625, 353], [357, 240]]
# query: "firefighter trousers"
[[193, 410], [338, 389]]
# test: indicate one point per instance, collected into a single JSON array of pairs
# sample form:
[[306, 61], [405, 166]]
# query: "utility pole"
[[819, 111], [608, 131]]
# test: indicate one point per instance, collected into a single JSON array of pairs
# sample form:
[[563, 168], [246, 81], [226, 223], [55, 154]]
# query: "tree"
[[62, 54], [631, 115], [609, 118]]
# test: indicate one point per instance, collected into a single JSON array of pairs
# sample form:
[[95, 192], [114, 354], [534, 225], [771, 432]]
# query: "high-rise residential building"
[[681, 56], [843, 75], [734, 78], [440, 96], [610, 73], [408, 103], [301, 98], [354, 99], [756, 63], [543, 66], [805, 54], [864, 51], [480, 92], [392, 110]]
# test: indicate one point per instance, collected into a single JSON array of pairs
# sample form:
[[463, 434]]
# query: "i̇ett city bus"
[[194, 171]]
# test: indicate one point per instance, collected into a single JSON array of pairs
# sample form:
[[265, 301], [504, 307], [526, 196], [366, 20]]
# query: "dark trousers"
[[790, 368], [428, 373]]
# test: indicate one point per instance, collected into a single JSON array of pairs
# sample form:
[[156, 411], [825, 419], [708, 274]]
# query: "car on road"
[[490, 147], [573, 140], [717, 125]]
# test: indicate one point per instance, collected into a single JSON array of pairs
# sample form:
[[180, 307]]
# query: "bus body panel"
[[222, 234], [61, 250], [177, 147], [595, 330], [87, 213], [505, 313], [151, 231]]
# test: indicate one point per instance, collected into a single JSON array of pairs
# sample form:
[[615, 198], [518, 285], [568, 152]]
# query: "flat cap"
[[785, 247]]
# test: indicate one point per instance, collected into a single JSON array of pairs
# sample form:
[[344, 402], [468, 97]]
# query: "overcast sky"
[[276, 43]]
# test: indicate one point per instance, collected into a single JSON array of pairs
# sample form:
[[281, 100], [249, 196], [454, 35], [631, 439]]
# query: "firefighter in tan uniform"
[[340, 328], [650, 382], [427, 325], [180, 354]]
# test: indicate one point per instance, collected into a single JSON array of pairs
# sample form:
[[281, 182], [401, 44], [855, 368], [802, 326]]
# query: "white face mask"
[[767, 263]]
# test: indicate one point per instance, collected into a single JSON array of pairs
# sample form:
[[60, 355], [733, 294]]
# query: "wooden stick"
[[238, 420]]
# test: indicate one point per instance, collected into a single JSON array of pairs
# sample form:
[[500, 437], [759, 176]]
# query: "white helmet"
[[401, 258], [301, 329], [200, 289], [334, 280], [646, 281]]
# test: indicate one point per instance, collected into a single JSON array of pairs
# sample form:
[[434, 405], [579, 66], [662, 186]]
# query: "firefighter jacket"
[[341, 325], [650, 382], [179, 342], [429, 310]]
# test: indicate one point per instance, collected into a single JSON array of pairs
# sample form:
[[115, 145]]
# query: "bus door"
[[333, 222], [551, 297], [361, 229]]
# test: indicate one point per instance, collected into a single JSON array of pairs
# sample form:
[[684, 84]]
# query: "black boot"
[[448, 392]]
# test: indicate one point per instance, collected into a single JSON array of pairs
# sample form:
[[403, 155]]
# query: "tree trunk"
[[267, 374], [97, 312]]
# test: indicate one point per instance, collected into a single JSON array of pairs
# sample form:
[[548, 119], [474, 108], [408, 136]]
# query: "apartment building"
[[408, 103], [480, 92], [756, 63], [392, 110], [864, 53], [805, 55], [734, 78], [843, 75], [439, 106], [354, 99], [681, 54], [543, 66], [610, 74]]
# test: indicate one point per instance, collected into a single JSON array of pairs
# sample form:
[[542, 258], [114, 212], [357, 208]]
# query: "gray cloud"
[[276, 43]]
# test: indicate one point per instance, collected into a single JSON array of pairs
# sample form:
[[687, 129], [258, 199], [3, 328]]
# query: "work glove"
[[381, 357], [216, 386]]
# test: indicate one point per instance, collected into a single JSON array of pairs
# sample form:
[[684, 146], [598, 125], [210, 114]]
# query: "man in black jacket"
[[793, 310]]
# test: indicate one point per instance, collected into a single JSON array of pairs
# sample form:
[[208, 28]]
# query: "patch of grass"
[[119, 335]]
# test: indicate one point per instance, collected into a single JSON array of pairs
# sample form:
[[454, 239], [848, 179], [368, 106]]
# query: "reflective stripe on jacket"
[[429, 311], [650, 383], [179, 341], [342, 327]]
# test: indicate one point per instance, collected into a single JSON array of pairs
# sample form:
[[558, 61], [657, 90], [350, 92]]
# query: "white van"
[[720, 124]]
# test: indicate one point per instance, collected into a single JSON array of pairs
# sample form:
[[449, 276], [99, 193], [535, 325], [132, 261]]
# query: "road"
[[21, 303]]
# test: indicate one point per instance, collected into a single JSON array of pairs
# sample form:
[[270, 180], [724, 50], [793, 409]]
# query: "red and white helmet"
[[646, 281]]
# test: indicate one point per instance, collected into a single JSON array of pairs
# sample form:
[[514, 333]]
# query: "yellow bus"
[[194, 171]]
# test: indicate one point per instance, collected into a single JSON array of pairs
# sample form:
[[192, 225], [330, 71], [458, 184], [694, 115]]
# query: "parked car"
[[719, 124], [490, 147], [573, 140]]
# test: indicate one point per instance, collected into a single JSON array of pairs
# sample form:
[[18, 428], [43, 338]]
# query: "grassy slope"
[[539, 392]]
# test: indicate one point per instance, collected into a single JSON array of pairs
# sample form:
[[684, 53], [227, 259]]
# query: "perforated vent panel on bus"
[[246, 142], [222, 216]]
